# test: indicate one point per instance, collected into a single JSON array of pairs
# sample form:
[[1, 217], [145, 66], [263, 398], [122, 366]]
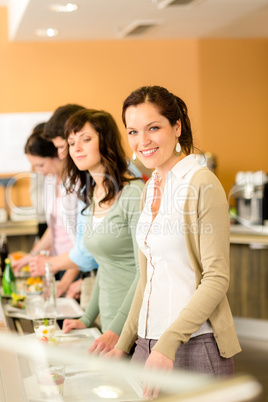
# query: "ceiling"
[[150, 19]]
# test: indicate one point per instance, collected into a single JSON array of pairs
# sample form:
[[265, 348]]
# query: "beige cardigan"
[[207, 234]]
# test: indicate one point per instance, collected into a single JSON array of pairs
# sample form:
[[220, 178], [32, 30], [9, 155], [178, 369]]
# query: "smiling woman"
[[153, 138], [180, 318]]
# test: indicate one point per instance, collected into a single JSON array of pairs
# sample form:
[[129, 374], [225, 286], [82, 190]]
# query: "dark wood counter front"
[[248, 290], [20, 235], [19, 228]]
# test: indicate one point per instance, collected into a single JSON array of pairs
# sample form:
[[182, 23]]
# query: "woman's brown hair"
[[37, 145]]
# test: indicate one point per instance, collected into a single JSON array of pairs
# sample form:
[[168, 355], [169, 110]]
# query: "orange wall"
[[43, 76], [18, 195], [223, 82], [234, 104]]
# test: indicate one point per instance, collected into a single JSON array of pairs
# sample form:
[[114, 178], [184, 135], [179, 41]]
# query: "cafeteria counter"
[[248, 288], [245, 234], [20, 235]]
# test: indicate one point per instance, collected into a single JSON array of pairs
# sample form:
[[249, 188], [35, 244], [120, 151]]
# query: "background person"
[[78, 256], [180, 316], [97, 162], [36, 192], [60, 208]]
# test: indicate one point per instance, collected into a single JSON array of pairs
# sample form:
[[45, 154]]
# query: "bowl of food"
[[44, 328], [34, 285], [17, 255], [18, 301]]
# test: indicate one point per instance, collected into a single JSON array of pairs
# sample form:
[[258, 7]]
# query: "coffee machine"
[[250, 192]]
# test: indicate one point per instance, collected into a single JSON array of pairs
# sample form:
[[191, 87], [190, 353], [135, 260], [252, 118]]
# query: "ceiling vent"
[[168, 3], [136, 28]]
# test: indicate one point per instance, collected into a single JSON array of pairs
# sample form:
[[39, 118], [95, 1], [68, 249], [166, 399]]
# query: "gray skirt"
[[199, 354]]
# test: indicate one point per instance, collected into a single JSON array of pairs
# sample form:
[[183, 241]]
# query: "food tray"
[[66, 308]]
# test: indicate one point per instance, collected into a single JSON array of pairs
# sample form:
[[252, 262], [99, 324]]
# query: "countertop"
[[255, 235], [239, 234], [12, 228]]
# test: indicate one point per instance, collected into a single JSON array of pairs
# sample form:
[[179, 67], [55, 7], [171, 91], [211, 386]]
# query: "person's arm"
[[79, 254], [68, 277], [72, 324], [58, 263], [129, 335], [43, 244], [211, 216], [131, 206], [92, 310], [129, 332], [77, 257], [74, 290]]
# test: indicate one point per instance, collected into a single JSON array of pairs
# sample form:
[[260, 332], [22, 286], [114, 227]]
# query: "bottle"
[[3, 251], [8, 281], [49, 289]]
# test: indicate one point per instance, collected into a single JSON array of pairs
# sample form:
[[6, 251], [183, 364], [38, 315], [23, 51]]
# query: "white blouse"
[[170, 277]]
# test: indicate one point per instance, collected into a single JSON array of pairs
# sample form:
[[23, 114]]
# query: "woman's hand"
[[156, 360], [18, 264], [61, 288], [37, 265], [104, 343], [74, 290], [72, 324], [115, 354]]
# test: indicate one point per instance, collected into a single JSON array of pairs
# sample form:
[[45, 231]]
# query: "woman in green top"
[[97, 162]]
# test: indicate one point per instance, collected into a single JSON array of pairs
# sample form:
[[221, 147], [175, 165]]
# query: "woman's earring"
[[134, 157], [178, 149]]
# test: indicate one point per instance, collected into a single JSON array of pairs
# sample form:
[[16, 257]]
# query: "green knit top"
[[113, 245]]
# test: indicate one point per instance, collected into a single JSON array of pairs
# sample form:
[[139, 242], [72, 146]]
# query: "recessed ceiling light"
[[137, 27], [63, 8], [46, 32], [180, 3]]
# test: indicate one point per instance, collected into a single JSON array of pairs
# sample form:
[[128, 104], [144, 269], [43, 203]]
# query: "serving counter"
[[20, 234], [248, 290], [256, 234]]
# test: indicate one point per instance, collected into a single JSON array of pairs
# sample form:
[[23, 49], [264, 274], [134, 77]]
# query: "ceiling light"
[[137, 27], [63, 8], [46, 32], [181, 3]]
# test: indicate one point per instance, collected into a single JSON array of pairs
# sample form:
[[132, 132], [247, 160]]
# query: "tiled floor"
[[254, 360]]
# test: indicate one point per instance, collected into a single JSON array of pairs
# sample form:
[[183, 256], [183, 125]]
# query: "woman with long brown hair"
[[180, 316], [98, 170]]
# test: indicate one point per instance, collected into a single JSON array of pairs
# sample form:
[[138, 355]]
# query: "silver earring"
[[134, 157], [178, 149]]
